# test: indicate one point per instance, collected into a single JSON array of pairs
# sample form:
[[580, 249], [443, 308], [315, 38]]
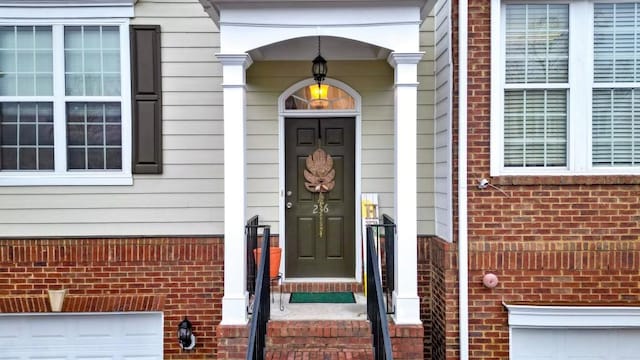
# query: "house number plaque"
[[320, 179]]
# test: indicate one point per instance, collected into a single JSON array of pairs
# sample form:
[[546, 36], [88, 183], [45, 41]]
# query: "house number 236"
[[317, 208]]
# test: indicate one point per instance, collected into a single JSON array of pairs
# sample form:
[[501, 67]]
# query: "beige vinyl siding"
[[443, 123], [426, 109], [187, 199]]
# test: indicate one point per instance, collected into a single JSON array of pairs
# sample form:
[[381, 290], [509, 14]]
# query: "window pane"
[[76, 158], [110, 38], [92, 60], [7, 37], [326, 97], [616, 127], [73, 37], [8, 84], [25, 36], [616, 42], [27, 158], [91, 136], [45, 159], [95, 158], [26, 136], [537, 43], [114, 158], [535, 128], [26, 61]]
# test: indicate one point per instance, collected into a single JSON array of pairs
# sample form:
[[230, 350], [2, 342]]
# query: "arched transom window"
[[320, 97]]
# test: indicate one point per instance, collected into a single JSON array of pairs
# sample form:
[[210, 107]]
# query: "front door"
[[320, 226]]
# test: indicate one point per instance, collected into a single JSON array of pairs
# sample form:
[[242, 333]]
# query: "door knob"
[[289, 205]]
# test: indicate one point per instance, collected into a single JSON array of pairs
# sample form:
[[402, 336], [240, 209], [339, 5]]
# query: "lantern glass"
[[318, 91], [185, 333], [319, 69]]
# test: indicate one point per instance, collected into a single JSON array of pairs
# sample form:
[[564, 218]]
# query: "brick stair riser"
[[340, 343], [318, 355], [289, 287], [333, 336]]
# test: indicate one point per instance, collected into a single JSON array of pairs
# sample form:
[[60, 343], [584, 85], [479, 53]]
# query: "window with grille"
[[62, 101], [566, 94]]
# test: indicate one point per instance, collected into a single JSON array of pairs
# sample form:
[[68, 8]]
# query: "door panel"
[[308, 252]]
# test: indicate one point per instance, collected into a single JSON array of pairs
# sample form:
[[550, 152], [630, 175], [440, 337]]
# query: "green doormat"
[[322, 297]]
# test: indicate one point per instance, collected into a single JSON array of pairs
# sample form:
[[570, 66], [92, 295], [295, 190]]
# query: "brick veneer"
[[561, 240], [432, 293], [179, 276]]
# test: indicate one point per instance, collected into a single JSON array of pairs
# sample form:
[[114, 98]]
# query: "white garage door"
[[80, 336], [575, 344]]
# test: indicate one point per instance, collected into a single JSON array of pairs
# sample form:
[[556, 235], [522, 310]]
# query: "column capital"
[[396, 58], [243, 59]]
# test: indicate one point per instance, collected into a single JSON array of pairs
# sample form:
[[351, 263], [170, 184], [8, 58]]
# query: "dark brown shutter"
[[146, 91]]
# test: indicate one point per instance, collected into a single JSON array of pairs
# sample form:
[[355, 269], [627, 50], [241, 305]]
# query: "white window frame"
[[579, 140], [85, 16]]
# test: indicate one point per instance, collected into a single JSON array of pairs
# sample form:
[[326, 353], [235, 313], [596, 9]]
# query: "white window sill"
[[45, 179]]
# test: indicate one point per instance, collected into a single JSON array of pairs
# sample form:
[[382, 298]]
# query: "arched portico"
[[391, 26]]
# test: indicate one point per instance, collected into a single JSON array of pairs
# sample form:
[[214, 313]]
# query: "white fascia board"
[[530, 316], [62, 10], [390, 25]]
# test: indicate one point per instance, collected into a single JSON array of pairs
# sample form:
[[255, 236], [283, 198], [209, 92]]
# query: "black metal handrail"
[[375, 304], [261, 306], [251, 233], [387, 230]]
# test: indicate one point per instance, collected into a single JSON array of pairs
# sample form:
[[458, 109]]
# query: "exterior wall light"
[[185, 335], [319, 67]]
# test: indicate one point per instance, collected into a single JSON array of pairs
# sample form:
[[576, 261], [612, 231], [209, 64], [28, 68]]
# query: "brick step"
[[319, 355], [289, 287], [334, 336]]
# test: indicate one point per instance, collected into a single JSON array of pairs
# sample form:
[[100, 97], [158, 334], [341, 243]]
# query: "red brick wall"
[[432, 293], [566, 240], [179, 276]]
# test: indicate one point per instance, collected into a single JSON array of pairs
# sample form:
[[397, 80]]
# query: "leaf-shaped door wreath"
[[320, 176]]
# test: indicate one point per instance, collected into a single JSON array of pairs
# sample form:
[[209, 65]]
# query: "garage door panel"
[[120, 336], [575, 344]]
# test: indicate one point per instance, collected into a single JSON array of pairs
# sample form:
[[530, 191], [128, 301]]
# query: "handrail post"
[[261, 306], [251, 232], [375, 304]]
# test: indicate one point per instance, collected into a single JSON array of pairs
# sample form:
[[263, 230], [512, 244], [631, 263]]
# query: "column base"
[[407, 310], [234, 310]]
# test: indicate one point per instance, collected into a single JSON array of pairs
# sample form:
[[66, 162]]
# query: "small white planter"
[[56, 299]]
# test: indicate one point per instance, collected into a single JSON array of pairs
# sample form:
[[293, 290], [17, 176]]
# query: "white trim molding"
[[554, 316], [356, 115], [56, 9]]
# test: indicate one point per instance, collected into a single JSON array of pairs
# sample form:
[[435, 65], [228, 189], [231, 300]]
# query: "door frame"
[[356, 115]]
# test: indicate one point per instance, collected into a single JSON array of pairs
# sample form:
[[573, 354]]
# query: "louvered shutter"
[[146, 99]]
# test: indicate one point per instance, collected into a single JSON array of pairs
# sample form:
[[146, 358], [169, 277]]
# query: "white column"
[[405, 296], [235, 299]]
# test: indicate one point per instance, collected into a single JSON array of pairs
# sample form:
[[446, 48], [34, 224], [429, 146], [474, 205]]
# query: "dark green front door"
[[320, 235]]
